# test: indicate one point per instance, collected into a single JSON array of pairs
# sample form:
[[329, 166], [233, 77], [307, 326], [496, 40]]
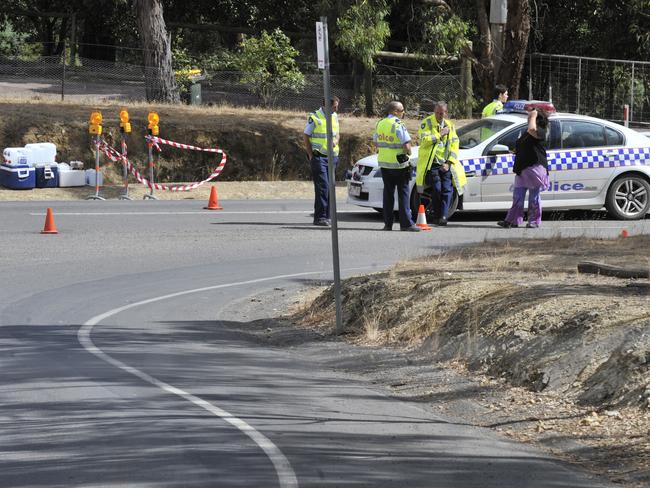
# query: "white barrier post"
[[125, 128], [154, 130], [95, 128]]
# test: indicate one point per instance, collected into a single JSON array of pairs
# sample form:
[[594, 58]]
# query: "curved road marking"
[[286, 476]]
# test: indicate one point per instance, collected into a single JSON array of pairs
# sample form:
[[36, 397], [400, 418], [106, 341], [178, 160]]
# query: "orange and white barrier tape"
[[113, 155]]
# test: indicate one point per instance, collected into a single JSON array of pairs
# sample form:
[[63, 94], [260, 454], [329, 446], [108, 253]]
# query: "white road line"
[[286, 476]]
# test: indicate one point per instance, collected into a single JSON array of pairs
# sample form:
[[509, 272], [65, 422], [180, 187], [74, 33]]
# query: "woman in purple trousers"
[[531, 173]]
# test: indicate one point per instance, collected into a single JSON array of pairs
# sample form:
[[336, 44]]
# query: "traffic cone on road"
[[422, 219], [213, 203], [49, 228]]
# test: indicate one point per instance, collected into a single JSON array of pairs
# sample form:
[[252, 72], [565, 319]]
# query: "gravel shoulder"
[[226, 190], [533, 349]]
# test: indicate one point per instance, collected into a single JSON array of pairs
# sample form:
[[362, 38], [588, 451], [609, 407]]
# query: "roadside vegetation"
[[569, 352]]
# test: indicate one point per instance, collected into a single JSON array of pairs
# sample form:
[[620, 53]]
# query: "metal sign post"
[[322, 47]]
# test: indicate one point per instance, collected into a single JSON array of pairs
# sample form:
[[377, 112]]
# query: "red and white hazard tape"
[[113, 155]]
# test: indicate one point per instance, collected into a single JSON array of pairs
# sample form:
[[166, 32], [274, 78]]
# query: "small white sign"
[[320, 45]]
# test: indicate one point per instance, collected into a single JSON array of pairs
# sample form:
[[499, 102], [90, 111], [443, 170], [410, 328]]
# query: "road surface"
[[123, 361]]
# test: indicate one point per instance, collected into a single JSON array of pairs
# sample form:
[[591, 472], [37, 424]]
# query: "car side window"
[[614, 137], [510, 138], [476, 132], [577, 134], [554, 139]]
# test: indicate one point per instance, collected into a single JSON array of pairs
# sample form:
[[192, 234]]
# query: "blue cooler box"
[[17, 176], [47, 175]]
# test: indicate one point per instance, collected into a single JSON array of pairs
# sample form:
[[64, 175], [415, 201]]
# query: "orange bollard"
[[49, 228], [422, 219], [213, 203], [625, 233]]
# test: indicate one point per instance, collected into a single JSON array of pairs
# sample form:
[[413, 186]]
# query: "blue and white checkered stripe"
[[564, 160]]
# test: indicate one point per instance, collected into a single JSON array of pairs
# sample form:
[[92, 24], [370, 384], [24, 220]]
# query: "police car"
[[592, 164]]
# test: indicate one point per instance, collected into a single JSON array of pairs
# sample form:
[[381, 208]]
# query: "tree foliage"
[[269, 64], [103, 29], [363, 30]]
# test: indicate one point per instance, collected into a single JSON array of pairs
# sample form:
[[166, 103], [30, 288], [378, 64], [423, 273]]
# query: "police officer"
[[438, 166], [315, 141], [394, 144], [493, 108], [496, 105]]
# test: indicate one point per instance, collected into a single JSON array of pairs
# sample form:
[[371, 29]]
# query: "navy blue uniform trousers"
[[397, 178], [321, 186], [442, 192]]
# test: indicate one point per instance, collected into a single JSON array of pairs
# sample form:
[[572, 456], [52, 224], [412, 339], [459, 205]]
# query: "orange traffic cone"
[[49, 228], [422, 219], [625, 233], [213, 204]]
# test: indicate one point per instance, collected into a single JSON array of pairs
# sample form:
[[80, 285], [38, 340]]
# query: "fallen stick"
[[608, 270]]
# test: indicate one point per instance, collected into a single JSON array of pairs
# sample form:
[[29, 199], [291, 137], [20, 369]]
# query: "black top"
[[530, 151]]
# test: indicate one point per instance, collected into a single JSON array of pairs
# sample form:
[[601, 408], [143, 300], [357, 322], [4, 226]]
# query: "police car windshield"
[[474, 133]]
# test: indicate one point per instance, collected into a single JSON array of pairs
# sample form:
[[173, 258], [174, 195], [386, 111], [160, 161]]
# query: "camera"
[[402, 158]]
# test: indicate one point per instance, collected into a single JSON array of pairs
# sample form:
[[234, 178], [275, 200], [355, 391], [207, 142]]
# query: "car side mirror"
[[499, 149]]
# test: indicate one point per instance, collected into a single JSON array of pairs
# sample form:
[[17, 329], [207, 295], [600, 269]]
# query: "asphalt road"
[[119, 365]]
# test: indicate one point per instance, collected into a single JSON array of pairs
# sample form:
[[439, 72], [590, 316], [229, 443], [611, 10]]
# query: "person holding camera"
[[438, 166], [394, 145], [531, 173]]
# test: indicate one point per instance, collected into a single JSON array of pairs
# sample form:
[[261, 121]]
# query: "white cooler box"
[[71, 177], [90, 177], [42, 152], [17, 155]]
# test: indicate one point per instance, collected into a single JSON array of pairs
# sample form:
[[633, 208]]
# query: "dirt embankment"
[[570, 351], [261, 144]]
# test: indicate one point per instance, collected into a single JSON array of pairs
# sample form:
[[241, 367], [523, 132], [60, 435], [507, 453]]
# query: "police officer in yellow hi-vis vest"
[[496, 105], [394, 144], [315, 140], [493, 108], [438, 166]]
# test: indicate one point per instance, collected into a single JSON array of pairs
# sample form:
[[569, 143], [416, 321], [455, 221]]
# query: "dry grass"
[[572, 349]]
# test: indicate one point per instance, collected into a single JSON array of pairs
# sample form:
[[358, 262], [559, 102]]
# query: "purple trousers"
[[533, 180]]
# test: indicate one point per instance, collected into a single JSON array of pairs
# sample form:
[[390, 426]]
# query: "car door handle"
[[470, 174], [610, 154]]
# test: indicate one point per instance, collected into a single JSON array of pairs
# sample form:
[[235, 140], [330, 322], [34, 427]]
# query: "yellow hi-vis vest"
[[318, 138], [490, 109], [389, 144], [436, 150]]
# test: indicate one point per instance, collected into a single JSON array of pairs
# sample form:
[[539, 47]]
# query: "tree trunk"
[[485, 67], [369, 93], [159, 76], [516, 41]]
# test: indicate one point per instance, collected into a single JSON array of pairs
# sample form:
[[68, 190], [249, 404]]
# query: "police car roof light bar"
[[524, 106]]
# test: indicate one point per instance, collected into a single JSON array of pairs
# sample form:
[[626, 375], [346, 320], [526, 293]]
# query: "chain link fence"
[[229, 87], [597, 87], [591, 86], [413, 90], [90, 80]]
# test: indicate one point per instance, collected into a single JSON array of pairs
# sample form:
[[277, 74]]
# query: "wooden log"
[[609, 270]]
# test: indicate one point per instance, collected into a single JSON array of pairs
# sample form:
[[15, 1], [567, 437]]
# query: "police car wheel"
[[425, 199], [628, 198]]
